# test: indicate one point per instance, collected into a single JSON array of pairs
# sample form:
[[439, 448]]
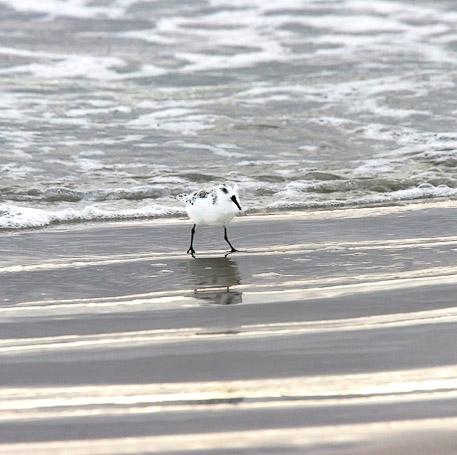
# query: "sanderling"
[[214, 206]]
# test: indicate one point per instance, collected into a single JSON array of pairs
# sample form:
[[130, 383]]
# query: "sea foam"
[[17, 217]]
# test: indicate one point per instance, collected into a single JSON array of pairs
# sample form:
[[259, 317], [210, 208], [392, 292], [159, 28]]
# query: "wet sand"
[[330, 332]]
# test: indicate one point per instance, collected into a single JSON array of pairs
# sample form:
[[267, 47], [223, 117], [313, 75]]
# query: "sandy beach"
[[330, 332]]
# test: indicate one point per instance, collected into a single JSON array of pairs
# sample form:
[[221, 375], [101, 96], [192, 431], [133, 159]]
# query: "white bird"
[[214, 206]]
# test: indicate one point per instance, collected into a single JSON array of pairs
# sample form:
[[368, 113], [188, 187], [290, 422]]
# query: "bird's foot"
[[233, 250], [191, 251]]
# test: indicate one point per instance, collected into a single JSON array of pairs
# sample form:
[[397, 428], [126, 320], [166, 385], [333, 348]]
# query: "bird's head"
[[229, 191]]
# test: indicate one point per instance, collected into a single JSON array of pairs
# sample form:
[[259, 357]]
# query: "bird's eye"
[[224, 190]]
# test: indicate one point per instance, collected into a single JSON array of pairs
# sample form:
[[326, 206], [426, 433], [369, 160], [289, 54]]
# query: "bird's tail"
[[183, 197]]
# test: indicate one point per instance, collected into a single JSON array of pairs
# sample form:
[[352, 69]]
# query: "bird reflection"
[[213, 277]]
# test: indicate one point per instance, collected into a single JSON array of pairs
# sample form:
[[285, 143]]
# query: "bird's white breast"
[[203, 211]]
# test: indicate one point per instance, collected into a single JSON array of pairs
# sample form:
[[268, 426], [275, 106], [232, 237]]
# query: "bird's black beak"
[[235, 201]]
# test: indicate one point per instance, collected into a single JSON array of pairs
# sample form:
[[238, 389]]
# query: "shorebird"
[[215, 206]]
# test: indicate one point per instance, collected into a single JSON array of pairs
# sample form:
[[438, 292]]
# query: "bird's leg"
[[228, 241], [191, 248]]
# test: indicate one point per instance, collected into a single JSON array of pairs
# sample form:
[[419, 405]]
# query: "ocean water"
[[110, 108]]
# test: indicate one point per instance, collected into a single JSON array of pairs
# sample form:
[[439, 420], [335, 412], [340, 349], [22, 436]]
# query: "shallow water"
[[329, 332], [108, 109]]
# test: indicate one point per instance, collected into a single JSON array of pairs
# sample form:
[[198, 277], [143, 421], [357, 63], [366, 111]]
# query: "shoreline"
[[331, 212]]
